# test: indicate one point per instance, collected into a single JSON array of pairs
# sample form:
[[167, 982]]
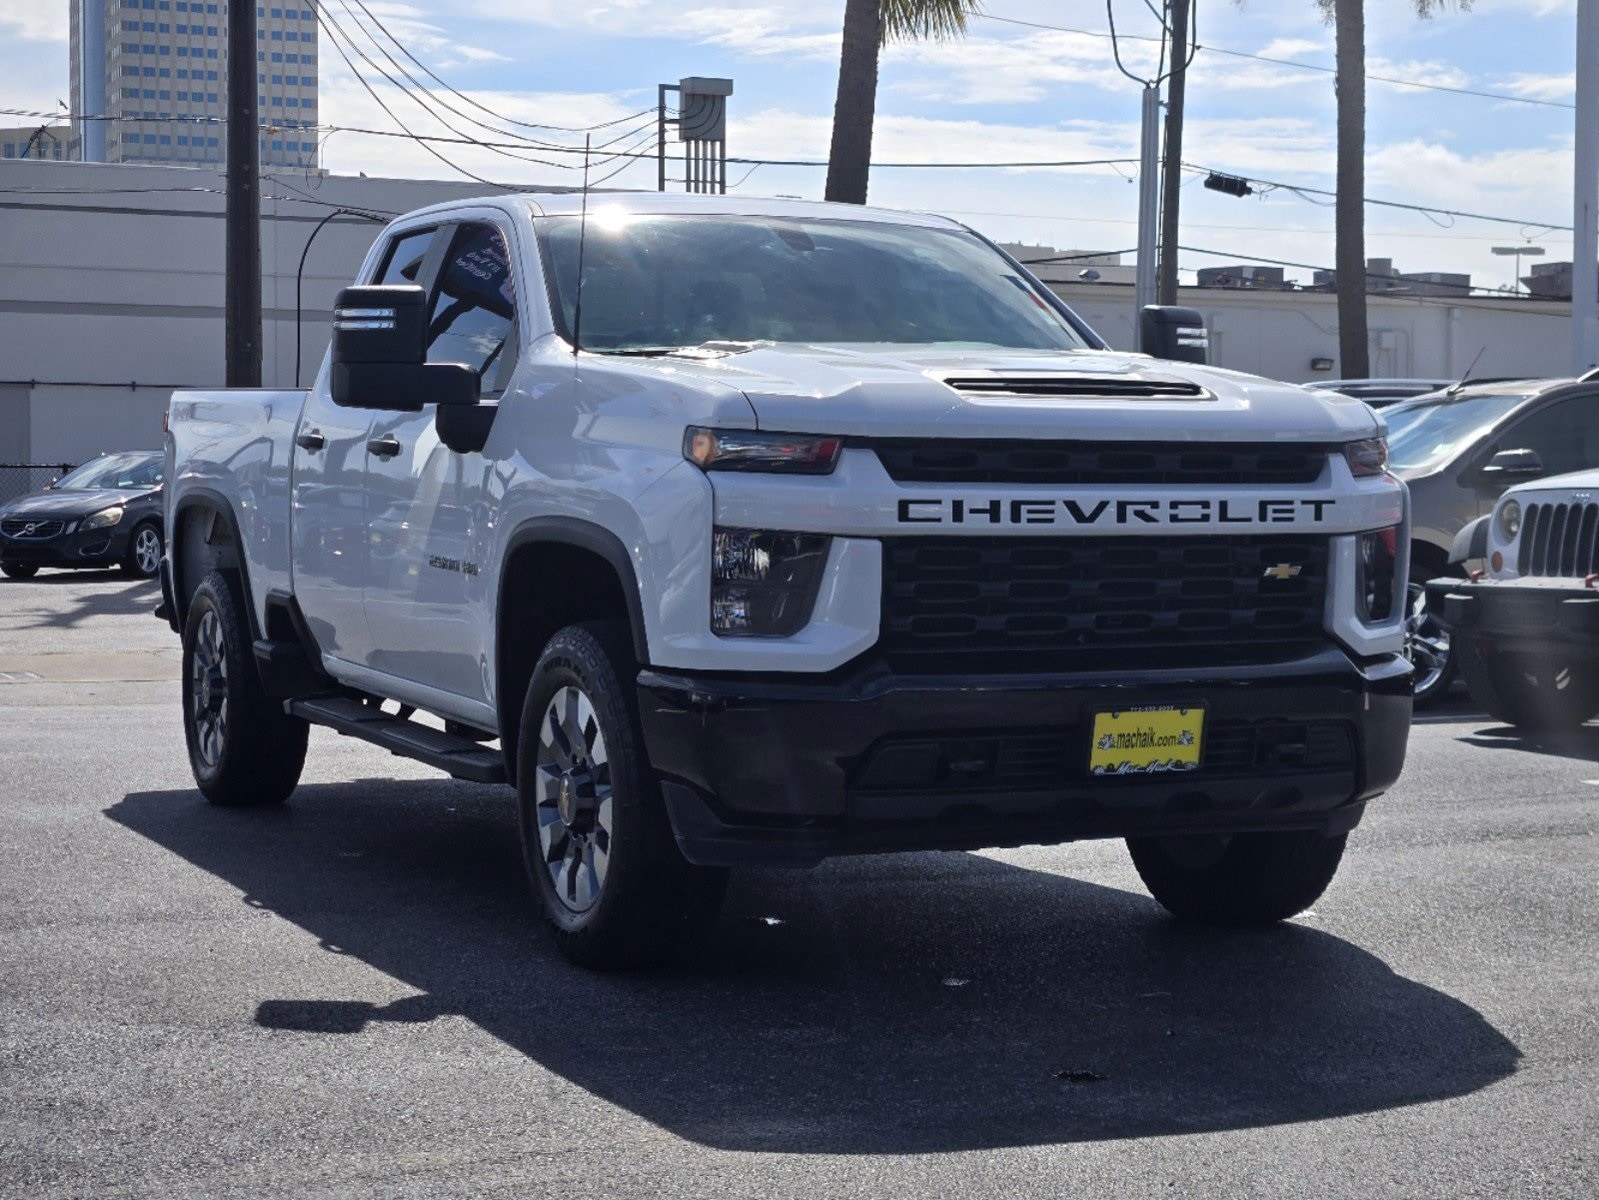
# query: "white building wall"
[[123, 284], [1278, 334]]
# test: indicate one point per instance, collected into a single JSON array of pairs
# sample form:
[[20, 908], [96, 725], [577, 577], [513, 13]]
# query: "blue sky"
[[1006, 92]]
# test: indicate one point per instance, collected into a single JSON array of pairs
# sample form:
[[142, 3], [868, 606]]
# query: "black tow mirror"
[[1513, 464], [1179, 334], [380, 351]]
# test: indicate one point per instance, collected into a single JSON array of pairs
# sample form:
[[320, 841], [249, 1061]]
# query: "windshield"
[[114, 471], [1424, 435], [653, 283]]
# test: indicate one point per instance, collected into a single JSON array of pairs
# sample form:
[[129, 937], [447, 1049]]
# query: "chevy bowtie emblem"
[[1281, 571]]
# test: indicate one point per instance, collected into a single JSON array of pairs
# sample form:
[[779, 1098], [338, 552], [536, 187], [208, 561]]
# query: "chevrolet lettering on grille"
[[961, 511]]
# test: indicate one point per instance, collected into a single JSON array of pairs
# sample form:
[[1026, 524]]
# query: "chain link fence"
[[21, 479]]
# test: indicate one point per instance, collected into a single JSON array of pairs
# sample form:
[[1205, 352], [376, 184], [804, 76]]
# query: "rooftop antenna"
[[1456, 387], [582, 238]]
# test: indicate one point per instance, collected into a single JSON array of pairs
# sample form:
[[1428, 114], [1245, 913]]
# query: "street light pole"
[[242, 274], [1585, 195], [1516, 252], [1148, 204]]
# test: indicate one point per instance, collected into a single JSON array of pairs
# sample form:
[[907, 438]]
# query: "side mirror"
[[380, 351], [1512, 464], [1165, 331]]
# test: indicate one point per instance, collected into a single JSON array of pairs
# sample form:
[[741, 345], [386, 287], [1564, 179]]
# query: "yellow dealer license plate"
[[1146, 741]]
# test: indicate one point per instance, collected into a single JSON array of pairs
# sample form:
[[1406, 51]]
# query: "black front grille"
[[946, 460], [1013, 604], [1043, 761], [22, 527], [1560, 540], [1121, 387]]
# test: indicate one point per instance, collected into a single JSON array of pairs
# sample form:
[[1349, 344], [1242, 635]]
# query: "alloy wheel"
[[147, 551], [1426, 642], [208, 690], [573, 803]]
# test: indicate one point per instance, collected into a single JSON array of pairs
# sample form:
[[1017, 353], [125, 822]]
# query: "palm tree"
[[868, 26], [1348, 19]]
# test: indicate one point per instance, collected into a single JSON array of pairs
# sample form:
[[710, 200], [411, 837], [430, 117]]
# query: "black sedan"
[[105, 513]]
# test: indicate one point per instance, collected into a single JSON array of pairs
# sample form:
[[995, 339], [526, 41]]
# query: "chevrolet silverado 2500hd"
[[734, 532]]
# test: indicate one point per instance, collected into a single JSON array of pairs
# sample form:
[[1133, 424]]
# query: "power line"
[[1421, 208], [484, 108], [1284, 62]]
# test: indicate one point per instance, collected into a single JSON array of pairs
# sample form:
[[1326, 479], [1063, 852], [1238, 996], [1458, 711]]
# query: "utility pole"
[[1585, 195], [1148, 202], [242, 279], [1171, 170]]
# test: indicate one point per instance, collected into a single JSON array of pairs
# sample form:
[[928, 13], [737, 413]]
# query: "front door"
[[331, 508], [428, 530]]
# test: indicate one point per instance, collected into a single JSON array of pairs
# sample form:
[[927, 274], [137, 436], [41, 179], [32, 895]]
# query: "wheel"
[[144, 551], [596, 840], [1540, 694], [1427, 648], [1242, 879], [243, 748], [16, 570]]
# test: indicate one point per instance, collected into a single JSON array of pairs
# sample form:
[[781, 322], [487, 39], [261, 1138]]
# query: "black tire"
[[1428, 645], [1245, 879], [243, 748], [591, 812], [143, 557], [1545, 695], [19, 570]]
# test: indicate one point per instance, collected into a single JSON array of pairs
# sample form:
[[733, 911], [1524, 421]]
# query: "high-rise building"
[[157, 69], [35, 141]]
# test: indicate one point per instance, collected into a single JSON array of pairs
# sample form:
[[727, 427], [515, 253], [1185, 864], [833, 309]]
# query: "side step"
[[459, 756]]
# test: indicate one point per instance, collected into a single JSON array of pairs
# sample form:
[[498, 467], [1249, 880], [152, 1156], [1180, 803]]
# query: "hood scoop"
[[1039, 386]]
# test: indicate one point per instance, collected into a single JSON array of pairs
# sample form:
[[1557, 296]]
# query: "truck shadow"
[[1581, 744], [906, 1004]]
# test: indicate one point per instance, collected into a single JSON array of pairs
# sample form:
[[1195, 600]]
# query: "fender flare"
[[207, 498], [572, 531]]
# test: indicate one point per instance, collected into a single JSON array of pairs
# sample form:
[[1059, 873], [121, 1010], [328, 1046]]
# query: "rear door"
[[330, 490], [429, 513]]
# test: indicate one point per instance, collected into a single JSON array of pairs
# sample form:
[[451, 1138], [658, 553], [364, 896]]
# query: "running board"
[[459, 756]]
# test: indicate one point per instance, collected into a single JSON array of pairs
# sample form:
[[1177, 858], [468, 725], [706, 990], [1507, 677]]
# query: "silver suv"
[[1458, 450]]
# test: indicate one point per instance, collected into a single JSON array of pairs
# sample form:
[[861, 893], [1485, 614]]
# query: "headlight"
[[103, 519], [764, 583], [1508, 519], [1368, 457], [1377, 560], [743, 450]]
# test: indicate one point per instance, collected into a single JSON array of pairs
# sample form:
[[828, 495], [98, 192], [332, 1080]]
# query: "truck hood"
[[1577, 481], [900, 391]]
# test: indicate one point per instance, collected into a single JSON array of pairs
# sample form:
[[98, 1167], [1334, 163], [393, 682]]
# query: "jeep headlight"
[[764, 583], [1508, 519], [103, 519]]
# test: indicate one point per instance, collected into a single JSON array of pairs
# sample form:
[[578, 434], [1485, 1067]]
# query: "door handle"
[[384, 447], [311, 440]]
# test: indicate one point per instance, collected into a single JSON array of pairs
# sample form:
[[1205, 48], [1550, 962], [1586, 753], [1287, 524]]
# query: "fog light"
[[764, 583], [1377, 553]]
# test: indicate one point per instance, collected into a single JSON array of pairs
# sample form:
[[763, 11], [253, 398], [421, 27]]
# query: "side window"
[[473, 319], [406, 254], [1565, 436]]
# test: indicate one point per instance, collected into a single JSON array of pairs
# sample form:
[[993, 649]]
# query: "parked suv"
[[1460, 449], [1526, 630]]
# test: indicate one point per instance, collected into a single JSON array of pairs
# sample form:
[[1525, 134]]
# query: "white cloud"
[[1539, 87], [34, 21]]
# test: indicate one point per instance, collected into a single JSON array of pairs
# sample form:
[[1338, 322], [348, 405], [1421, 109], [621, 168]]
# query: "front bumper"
[[1518, 614], [788, 770], [80, 548]]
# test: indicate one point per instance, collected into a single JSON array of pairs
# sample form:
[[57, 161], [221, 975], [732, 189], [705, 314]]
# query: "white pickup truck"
[[753, 532]]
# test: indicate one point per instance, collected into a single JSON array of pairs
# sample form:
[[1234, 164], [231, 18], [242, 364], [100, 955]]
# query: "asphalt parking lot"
[[351, 996]]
